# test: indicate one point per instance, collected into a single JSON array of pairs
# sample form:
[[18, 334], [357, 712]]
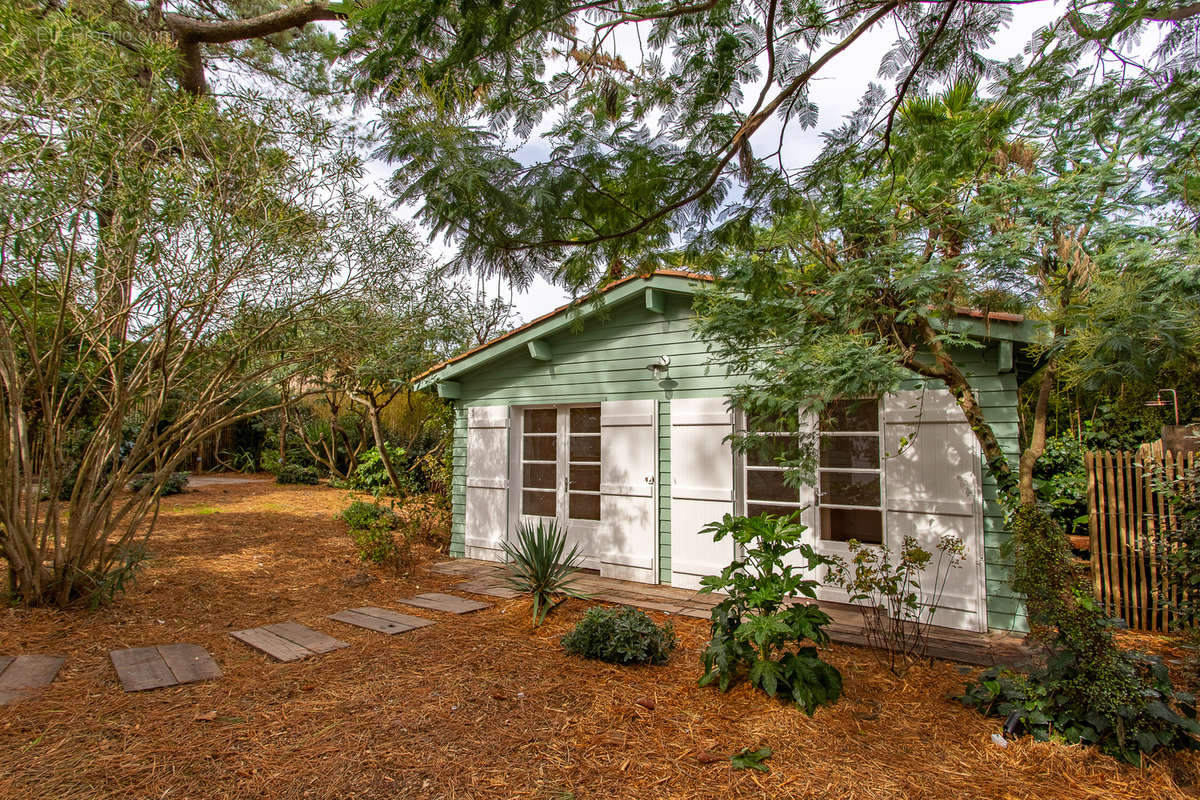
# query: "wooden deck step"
[[20, 676], [444, 602], [288, 641], [158, 666], [381, 619]]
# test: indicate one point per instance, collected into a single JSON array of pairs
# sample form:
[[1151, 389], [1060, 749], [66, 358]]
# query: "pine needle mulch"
[[477, 706]]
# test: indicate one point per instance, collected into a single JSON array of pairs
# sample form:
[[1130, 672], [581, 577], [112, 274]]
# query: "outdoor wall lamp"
[[1159, 401], [658, 368]]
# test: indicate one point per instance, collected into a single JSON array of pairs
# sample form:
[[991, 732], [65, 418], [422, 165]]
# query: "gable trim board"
[[666, 467]]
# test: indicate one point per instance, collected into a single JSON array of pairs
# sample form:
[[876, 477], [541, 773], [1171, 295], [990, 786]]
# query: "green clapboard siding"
[[604, 356]]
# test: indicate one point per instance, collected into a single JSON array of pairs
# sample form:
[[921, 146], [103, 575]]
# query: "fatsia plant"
[[757, 630], [540, 565]]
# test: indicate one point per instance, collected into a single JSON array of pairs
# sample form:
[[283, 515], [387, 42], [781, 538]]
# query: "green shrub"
[[295, 474], [620, 636], [172, 484], [371, 475], [372, 527], [1060, 479], [756, 629], [539, 565], [1086, 689], [896, 604]]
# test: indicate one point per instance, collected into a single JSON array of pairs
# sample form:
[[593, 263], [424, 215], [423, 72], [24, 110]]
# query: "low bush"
[[620, 636], [758, 629], [295, 474], [172, 484], [897, 602], [539, 564], [373, 529]]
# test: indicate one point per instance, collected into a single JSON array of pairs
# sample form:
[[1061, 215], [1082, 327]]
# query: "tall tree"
[[156, 251]]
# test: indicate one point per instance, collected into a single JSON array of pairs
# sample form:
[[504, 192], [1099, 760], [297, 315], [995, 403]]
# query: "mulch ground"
[[477, 706]]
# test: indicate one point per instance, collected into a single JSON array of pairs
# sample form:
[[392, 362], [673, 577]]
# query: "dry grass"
[[478, 706]]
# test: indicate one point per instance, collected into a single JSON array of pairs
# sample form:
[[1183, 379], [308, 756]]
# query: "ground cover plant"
[[477, 705], [620, 636], [1086, 687], [757, 630]]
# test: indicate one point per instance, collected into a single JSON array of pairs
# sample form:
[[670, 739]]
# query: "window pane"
[[539, 476], [585, 478], [788, 423], [538, 504], [856, 452], [541, 420], [540, 448], [585, 420], [584, 506], [754, 509], [850, 488], [851, 415], [768, 485], [844, 524], [771, 448], [585, 448]]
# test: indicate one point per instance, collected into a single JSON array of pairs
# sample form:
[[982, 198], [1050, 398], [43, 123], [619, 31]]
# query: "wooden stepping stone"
[[20, 674], [142, 668], [444, 602], [381, 620], [288, 641], [488, 586]]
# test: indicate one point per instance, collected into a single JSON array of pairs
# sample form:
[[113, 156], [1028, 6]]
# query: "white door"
[[701, 487], [933, 489], [486, 512], [628, 496], [559, 472]]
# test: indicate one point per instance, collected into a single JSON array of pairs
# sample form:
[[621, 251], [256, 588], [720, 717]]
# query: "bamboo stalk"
[[1137, 479], [1089, 460], [1158, 616], [1110, 502]]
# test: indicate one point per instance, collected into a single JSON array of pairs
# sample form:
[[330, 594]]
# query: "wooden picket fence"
[[1127, 518]]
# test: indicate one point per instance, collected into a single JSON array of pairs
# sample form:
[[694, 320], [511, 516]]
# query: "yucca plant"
[[538, 567]]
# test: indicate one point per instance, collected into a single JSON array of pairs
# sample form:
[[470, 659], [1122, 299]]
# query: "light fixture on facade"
[[658, 367]]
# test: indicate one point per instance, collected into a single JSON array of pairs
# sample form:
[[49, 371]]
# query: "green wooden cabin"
[[609, 417]]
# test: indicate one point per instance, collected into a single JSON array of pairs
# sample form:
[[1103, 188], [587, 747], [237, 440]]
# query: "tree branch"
[[192, 33]]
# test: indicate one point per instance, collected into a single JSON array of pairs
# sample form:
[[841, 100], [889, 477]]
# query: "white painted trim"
[[627, 560], [487, 417], [701, 493], [700, 418], [628, 490], [626, 420], [487, 483]]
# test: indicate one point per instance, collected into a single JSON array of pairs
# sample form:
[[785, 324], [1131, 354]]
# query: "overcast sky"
[[836, 92]]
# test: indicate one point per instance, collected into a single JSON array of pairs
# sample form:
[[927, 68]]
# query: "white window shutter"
[[701, 487], [628, 469], [487, 481], [932, 488]]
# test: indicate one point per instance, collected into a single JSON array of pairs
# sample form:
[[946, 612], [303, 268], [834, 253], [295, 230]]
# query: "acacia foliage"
[[581, 139]]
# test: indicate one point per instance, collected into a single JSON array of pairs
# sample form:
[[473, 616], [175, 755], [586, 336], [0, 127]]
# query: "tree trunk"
[[369, 402]]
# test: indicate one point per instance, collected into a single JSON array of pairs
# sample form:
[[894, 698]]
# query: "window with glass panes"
[[583, 463], [766, 492], [539, 462], [850, 478]]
